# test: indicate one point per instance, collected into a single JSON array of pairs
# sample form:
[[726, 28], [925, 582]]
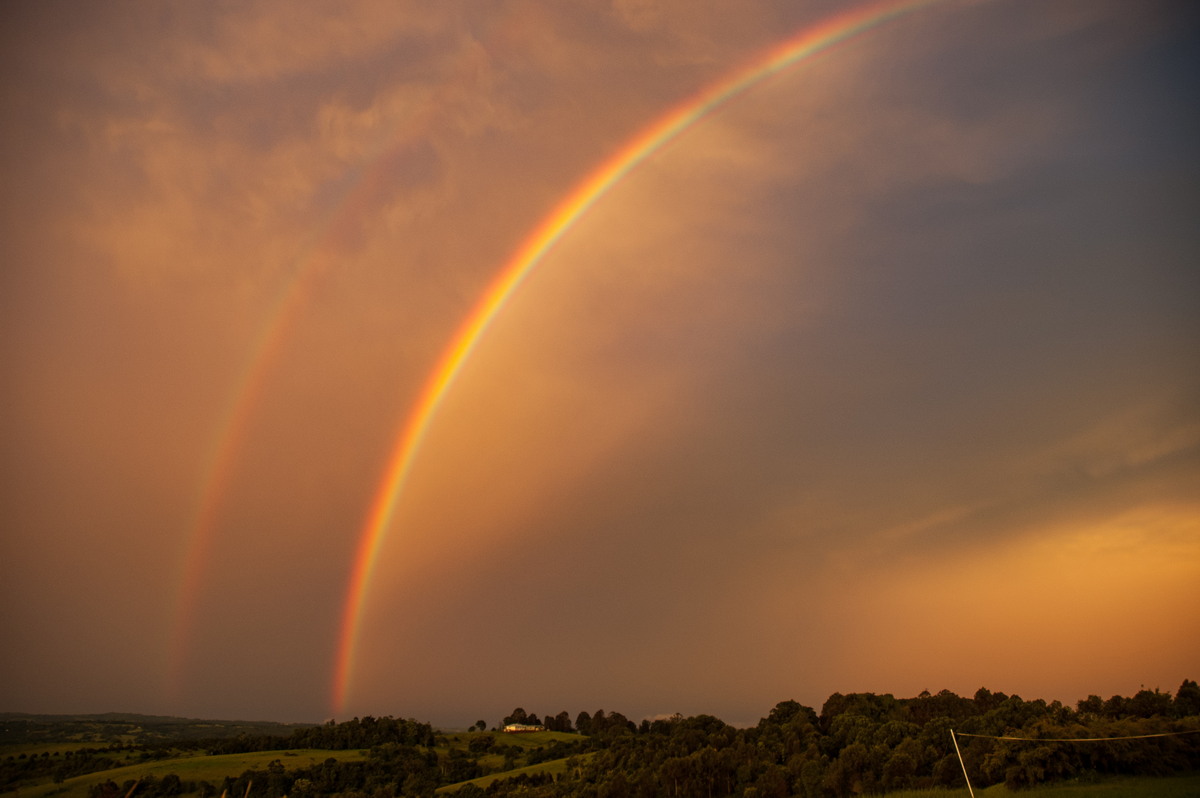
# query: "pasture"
[[1121, 787], [197, 767]]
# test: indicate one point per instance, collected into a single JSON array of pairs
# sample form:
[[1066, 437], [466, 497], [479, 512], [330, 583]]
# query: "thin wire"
[[1079, 739]]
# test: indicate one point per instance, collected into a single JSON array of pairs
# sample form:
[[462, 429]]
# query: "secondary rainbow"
[[808, 42], [284, 314]]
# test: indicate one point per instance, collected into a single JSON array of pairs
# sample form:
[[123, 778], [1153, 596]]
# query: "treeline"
[[585, 723], [20, 768], [359, 733], [861, 743], [389, 770], [364, 733], [865, 743]]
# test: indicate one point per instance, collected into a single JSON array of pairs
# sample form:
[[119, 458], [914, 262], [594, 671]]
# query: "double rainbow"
[[805, 44]]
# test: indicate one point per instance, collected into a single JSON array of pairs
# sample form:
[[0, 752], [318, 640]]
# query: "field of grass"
[[189, 768], [1128, 787], [526, 741], [553, 767], [196, 766]]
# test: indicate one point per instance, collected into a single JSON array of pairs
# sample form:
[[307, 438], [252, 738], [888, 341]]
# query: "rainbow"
[[808, 42], [219, 471], [284, 313]]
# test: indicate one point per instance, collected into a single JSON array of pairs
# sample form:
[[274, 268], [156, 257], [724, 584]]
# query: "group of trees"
[[359, 733], [365, 732], [149, 787], [61, 765], [859, 743], [560, 722], [599, 724], [864, 743]]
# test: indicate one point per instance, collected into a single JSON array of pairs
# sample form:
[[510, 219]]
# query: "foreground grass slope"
[[494, 751], [192, 767], [1120, 787], [554, 767]]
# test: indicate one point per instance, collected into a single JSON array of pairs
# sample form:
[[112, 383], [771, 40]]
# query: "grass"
[[198, 767], [1121, 787], [526, 741], [553, 767]]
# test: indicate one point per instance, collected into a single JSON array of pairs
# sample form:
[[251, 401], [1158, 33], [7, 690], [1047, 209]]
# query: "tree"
[[1148, 703], [1187, 700], [1116, 706], [789, 712], [812, 774], [847, 773], [898, 771]]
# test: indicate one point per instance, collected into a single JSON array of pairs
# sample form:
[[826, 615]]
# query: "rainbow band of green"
[[808, 42]]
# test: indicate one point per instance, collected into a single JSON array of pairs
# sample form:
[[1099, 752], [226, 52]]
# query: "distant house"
[[520, 728]]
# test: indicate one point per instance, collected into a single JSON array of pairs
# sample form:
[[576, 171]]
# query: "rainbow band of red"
[[808, 42]]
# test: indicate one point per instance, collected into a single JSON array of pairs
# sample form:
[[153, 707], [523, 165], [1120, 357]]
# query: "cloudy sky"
[[881, 376]]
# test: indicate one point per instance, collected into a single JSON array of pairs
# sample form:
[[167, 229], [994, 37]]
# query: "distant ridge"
[[133, 717], [129, 728]]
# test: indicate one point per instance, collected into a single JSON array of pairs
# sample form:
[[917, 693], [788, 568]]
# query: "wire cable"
[[1078, 739]]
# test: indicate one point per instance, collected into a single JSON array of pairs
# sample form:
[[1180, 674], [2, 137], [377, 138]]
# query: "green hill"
[[189, 768]]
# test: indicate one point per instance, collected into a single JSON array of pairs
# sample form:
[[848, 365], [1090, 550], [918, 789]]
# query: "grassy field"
[[198, 766], [189, 768], [526, 742], [553, 767], [1131, 787]]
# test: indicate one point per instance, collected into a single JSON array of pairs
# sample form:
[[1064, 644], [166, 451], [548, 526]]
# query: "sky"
[[877, 374]]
